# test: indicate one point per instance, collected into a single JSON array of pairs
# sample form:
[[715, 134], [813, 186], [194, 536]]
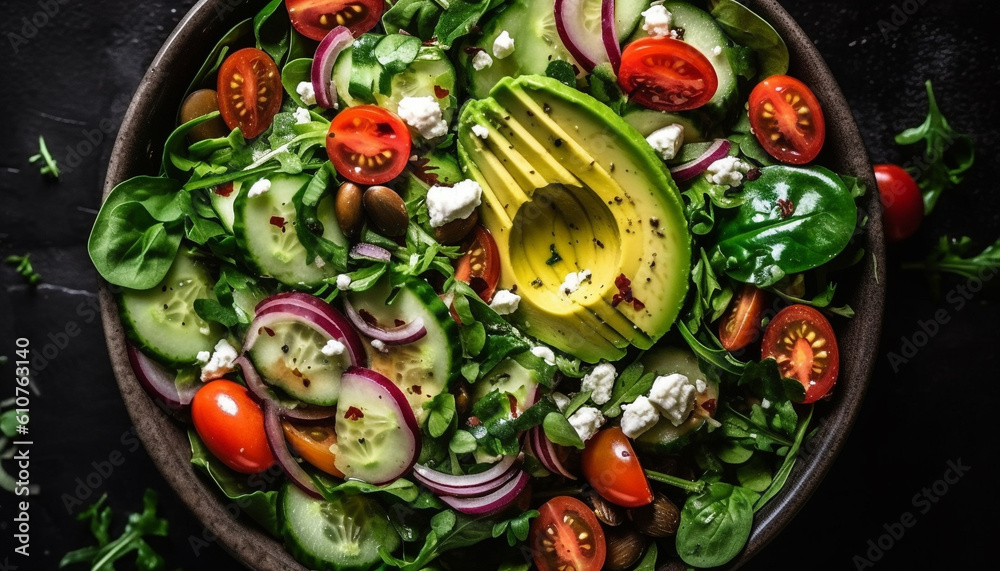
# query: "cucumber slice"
[[510, 377], [161, 321], [702, 32], [422, 369], [664, 437], [628, 14], [343, 534], [646, 121], [223, 204], [378, 439], [264, 226]]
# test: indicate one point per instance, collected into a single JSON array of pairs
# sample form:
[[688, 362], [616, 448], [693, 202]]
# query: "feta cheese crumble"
[[599, 382], [332, 348], [423, 114], [638, 417], [379, 346], [447, 203], [700, 386], [204, 356], [587, 421], [545, 354], [674, 396], [343, 282], [717, 50], [505, 302], [302, 116], [667, 141], [503, 46], [561, 400], [728, 171], [306, 92], [656, 21], [574, 280], [480, 131], [481, 60], [260, 187], [221, 362]]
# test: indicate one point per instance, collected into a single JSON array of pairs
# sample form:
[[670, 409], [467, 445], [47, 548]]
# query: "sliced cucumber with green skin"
[[430, 74], [646, 121], [161, 321], [424, 368], [264, 226], [513, 378], [664, 437], [532, 25], [343, 534], [223, 204], [628, 14]]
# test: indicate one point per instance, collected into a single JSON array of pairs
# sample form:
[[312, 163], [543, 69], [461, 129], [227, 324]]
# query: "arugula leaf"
[[718, 358], [449, 530], [22, 265], [441, 414], [954, 256], [709, 299], [48, 164], [212, 310], [206, 74], [563, 72], [947, 154], [102, 556], [558, 429], [623, 387], [781, 475]]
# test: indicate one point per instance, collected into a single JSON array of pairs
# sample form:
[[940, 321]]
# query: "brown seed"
[[386, 210], [462, 399], [203, 102], [625, 548], [673, 565], [658, 519], [455, 231], [350, 214], [607, 512]]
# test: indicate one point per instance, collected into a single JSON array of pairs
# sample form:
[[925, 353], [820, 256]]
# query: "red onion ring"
[[321, 73], [609, 33], [279, 448], [366, 251], [401, 335], [493, 502], [159, 381], [687, 171], [469, 485]]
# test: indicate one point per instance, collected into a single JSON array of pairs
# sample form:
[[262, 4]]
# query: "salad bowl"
[[151, 118]]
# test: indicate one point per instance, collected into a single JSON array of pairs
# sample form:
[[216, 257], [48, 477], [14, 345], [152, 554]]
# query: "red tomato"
[[231, 425], [610, 465], [667, 74], [567, 535], [787, 119], [250, 91], [313, 443], [480, 266], [368, 144], [315, 18], [803, 343], [740, 325], [902, 202]]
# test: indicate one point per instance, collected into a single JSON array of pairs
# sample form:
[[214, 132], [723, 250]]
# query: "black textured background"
[[71, 79]]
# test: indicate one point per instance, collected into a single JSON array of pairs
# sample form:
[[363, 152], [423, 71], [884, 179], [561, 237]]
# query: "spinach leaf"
[[947, 154], [715, 524], [563, 72], [749, 29], [248, 493], [417, 17], [205, 76], [212, 310], [444, 21], [272, 29], [294, 73], [102, 556], [755, 474], [792, 219]]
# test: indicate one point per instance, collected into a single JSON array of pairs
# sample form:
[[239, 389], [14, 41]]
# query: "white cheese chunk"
[[503, 46], [343, 282], [638, 417], [667, 141], [544, 353], [423, 114], [599, 381], [728, 171], [587, 421], [306, 92], [302, 116], [481, 60], [447, 203], [333, 348], [656, 21], [673, 395], [260, 187], [574, 280], [222, 361], [505, 302], [480, 131]]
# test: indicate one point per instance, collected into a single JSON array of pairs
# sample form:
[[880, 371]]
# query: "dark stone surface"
[[77, 66]]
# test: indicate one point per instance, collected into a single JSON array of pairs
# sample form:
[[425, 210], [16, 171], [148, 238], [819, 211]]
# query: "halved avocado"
[[562, 174]]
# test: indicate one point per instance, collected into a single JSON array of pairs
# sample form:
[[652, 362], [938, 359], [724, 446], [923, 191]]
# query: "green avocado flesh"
[[569, 186]]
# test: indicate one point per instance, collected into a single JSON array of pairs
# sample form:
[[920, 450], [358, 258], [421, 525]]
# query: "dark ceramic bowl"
[[151, 117]]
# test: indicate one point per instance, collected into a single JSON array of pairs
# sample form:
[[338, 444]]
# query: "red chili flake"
[[473, 50], [753, 174], [224, 189], [368, 317], [278, 222], [269, 331], [441, 92], [399, 322], [423, 172], [474, 421], [354, 413], [638, 305], [709, 406], [416, 389], [786, 206], [624, 286], [513, 405]]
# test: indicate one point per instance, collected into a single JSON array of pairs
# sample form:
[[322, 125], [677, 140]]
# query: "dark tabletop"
[[914, 486]]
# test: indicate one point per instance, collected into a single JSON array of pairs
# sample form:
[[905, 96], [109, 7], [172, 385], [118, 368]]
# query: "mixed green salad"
[[505, 283]]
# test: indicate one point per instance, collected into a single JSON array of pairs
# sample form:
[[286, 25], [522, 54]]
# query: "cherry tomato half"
[[740, 325], [250, 91], [902, 202], [368, 144], [313, 443], [315, 18], [480, 265], [803, 343], [787, 119], [610, 465], [567, 535], [231, 425], [666, 74]]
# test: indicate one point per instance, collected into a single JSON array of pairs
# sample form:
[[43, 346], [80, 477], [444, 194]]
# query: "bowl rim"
[[166, 441]]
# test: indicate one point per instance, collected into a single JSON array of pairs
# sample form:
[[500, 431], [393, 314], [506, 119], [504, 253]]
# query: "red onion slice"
[[279, 447], [687, 171], [159, 381], [401, 335], [314, 313], [609, 33], [469, 485], [366, 251], [583, 44], [546, 453], [493, 502], [321, 73], [288, 410]]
